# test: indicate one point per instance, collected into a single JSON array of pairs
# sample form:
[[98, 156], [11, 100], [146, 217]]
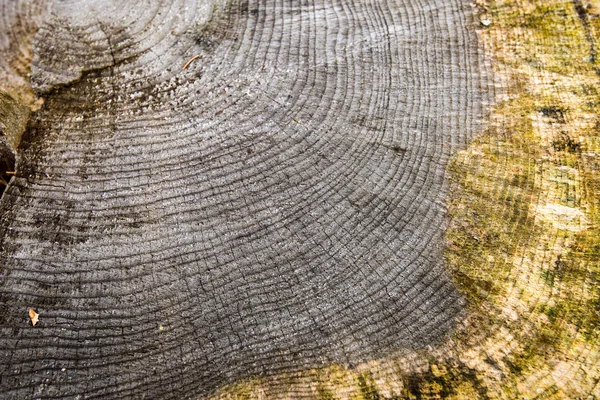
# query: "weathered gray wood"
[[278, 205]]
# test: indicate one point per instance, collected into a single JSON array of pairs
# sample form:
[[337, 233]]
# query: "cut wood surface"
[[281, 199], [276, 205]]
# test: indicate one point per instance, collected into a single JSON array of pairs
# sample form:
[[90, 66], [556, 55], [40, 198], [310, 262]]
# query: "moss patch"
[[523, 242]]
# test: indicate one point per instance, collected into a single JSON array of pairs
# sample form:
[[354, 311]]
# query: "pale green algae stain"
[[523, 243]]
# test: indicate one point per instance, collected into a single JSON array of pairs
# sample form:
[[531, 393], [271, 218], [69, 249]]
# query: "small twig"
[[187, 64], [10, 172]]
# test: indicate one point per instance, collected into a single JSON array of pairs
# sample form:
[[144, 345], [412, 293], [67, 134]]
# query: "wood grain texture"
[[276, 206]]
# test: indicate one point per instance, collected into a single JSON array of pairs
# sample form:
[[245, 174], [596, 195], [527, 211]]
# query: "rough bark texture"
[[276, 206]]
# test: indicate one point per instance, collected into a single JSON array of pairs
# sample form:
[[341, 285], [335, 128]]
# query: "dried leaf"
[[33, 316]]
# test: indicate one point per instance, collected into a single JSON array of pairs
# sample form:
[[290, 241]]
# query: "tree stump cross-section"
[[277, 205]]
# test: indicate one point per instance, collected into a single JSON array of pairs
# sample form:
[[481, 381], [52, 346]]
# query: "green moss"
[[445, 381], [493, 211], [324, 393], [541, 150], [368, 390]]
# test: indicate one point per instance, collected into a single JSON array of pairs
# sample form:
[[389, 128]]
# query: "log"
[[210, 194]]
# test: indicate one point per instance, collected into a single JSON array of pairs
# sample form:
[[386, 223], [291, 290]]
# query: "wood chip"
[[187, 64], [33, 316]]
